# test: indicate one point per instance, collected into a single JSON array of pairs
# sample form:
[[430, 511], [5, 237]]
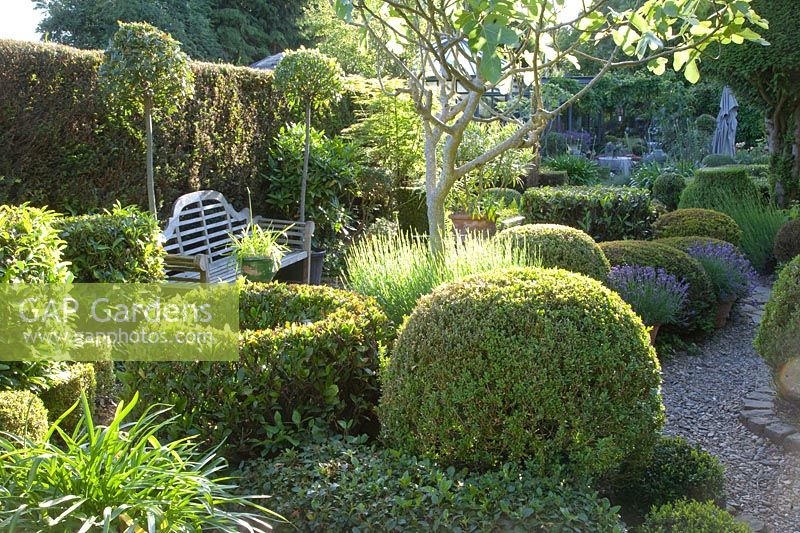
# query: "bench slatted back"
[[201, 223]]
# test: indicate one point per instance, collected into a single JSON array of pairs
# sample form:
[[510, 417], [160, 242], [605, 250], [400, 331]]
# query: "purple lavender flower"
[[655, 295], [730, 272]]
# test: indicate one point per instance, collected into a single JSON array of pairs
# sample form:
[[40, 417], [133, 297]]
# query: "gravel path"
[[703, 393]]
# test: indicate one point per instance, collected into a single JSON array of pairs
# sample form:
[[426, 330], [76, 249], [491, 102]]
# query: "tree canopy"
[[453, 53], [237, 31]]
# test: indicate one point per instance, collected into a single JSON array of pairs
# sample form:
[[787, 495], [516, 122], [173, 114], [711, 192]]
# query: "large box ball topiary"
[[542, 364], [65, 390], [560, 247], [309, 358], [698, 222], [22, 414], [691, 516], [778, 337], [700, 307], [787, 242]]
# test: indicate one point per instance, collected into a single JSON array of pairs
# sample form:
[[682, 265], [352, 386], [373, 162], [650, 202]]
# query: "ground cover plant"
[[351, 486]]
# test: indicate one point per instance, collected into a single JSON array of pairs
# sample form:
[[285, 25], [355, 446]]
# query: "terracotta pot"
[[653, 333], [723, 312], [464, 224]]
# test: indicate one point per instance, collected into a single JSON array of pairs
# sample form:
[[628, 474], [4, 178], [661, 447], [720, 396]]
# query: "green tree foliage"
[[230, 30], [310, 81], [487, 46], [144, 70], [770, 76]]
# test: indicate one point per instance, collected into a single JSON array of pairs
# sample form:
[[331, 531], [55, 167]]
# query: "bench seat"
[[198, 242]]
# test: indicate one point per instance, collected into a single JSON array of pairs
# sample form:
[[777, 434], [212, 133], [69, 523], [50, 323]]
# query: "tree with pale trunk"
[[454, 52], [144, 72]]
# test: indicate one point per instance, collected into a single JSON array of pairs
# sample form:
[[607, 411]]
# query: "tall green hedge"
[[61, 146]]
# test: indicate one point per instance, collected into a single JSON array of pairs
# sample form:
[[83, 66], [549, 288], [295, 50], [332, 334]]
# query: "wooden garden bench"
[[197, 238]]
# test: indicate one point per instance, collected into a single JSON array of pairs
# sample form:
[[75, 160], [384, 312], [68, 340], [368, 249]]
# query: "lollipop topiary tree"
[[310, 81], [145, 72]]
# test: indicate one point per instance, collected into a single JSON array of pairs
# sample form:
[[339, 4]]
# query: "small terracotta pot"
[[723, 312], [464, 224], [653, 333]]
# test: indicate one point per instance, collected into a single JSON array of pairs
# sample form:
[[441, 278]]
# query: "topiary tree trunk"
[[148, 123]]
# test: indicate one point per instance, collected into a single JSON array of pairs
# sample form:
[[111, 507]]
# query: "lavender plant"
[[730, 272], [656, 296]]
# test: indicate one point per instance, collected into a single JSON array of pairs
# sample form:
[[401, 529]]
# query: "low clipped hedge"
[[698, 222], [700, 312], [712, 184], [778, 336], [787, 241], [508, 196], [308, 363], [30, 247], [676, 470], [550, 177], [560, 247], [65, 390], [23, 414], [697, 517], [605, 213], [348, 487], [539, 364], [667, 189], [718, 160], [117, 246]]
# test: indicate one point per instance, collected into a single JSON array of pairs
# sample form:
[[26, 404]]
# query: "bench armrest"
[[510, 222], [188, 263]]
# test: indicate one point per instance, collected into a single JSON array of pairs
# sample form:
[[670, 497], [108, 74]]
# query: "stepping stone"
[[755, 524], [758, 424], [778, 431], [756, 404], [761, 396], [755, 413], [792, 443]]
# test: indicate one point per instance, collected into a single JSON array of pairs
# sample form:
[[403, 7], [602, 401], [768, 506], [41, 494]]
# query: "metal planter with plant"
[[258, 252]]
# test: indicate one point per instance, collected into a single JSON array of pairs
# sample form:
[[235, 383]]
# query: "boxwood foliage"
[[710, 185], [676, 470], [351, 487], [787, 241], [117, 246], [58, 133], [23, 414], [308, 363], [685, 243], [605, 213], [675, 262], [560, 247], [539, 364], [698, 222], [65, 389], [778, 336], [697, 517], [667, 189]]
